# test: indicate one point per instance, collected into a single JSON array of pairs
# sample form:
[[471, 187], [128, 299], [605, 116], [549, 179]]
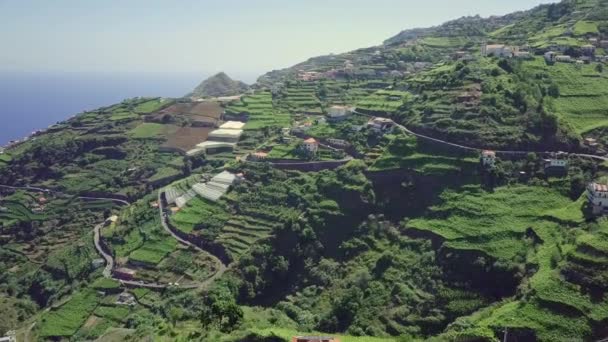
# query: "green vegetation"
[[66, 320], [152, 252]]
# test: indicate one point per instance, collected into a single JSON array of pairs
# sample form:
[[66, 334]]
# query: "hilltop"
[[415, 190], [219, 84]]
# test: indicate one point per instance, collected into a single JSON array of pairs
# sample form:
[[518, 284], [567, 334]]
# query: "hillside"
[[434, 187], [219, 85]]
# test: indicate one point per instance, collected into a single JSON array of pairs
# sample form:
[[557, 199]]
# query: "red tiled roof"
[[310, 141], [600, 187], [488, 153]]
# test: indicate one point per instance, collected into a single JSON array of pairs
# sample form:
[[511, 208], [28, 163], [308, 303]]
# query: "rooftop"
[[311, 141], [597, 187], [232, 125], [226, 133]]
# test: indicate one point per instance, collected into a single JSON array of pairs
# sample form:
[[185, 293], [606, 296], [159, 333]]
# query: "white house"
[[497, 50], [563, 58], [550, 56], [488, 158], [226, 135], [381, 125], [232, 125], [597, 194], [338, 112], [556, 164], [311, 145]]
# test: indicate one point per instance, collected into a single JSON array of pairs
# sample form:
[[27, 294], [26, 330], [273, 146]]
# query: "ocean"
[[31, 101]]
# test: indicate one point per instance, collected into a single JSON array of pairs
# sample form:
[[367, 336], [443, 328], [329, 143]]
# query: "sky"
[[241, 37]]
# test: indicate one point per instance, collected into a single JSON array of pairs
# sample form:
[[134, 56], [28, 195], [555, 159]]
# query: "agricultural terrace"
[[409, 152], [384, 101], [583, 93], [517, 225], [261, 111]]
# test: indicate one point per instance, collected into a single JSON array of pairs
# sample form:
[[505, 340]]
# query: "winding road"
[[221, 268], [469, 148]]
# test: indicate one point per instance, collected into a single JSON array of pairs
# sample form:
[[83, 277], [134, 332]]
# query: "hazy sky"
[[242, 37]]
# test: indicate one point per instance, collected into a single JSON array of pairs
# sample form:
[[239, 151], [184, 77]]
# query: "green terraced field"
[[152, 252], [242, 231], [583, 93], [68, 318]]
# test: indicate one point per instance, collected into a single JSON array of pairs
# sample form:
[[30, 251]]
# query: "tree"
[[599, 68], [553, 90]]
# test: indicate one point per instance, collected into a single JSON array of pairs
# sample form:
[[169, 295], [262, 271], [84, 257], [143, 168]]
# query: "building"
[[337, 113], [310, 145], [381, 125], [338, 142], [597, 194], [10, 337], [603, 44], [588, 50], [497, 50], [563, 58], [226, 135], [232, 125], [550, 56], [126, 298], [314, 339], [591, 142], [488, 158], [259, 156], [556, 164], [97, 263], [522, 55], [124, 273]]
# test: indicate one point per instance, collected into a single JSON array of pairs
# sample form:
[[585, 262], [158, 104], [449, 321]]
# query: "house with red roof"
[[311, 145], [597, 194]]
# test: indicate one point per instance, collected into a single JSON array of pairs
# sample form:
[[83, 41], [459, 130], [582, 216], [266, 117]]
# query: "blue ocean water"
[[31, 101]]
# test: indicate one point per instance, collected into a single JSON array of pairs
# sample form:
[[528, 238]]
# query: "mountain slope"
[[219, 85]]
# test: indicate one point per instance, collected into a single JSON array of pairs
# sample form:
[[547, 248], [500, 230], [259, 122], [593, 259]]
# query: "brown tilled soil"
[[185, 138]]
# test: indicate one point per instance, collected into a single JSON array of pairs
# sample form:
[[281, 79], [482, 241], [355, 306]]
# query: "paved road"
[[107, 271], [469, 148], [221, 268]]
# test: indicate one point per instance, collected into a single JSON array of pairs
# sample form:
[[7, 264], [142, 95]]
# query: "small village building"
[[522, 55], [337, 113], [597, 194], [604, 44], [338, 142], [488, 158], [497, 50], [593, 41], [226, 135], [563, 59], [550, 56], [125, 273], [381, 125], [591, 142], [232, 125], [126, 298], [11, 336], [556, 167], [588, 50], [314, 339], [310, 145]]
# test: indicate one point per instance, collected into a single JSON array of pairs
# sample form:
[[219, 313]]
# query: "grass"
[[152, 252], [105, 284], [114, 313], [243, 231], [404, 151], [66, 320], [150, 106], [583, 93], [150, 130], [585, 27], [494, 223], [289, 333], [444, 42], [198, 213]]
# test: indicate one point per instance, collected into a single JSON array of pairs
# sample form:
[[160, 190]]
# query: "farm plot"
[[67, 319], [261, 111], [150, 130], [200, 214], [154, 251], [243, 231], [186, 138]]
